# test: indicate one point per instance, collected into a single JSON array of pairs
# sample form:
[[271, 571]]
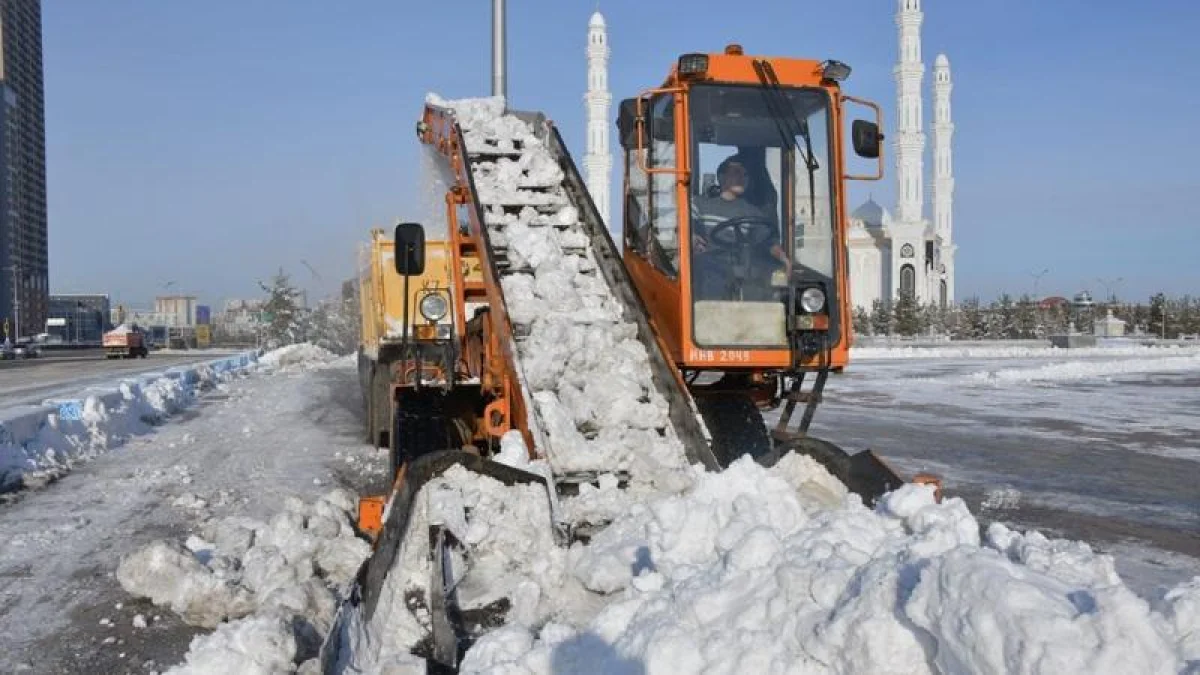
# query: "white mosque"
[[907, 253], [889, 254]]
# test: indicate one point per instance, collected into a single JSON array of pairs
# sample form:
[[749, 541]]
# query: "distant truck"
[[125, 342], [397, 353]]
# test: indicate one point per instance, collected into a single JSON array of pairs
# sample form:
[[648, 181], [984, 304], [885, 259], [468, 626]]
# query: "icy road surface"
[[242, 450], [1100, 445], [35, 380]]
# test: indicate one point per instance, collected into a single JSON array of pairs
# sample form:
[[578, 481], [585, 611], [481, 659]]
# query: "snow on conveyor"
[[749, 570], [588, 375]]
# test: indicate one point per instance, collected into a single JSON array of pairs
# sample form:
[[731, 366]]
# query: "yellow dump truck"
[[408, 327]]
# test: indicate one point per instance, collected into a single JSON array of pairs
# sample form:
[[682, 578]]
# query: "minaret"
[[943, 132], [943, 170], [598, 162], [910, 141]]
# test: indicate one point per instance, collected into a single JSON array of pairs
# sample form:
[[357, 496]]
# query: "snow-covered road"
[[1100, 445], [1042, 453], [242, 450], [32, 381]]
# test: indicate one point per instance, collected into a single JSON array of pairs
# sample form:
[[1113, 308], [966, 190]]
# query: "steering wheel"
[[742, 232]]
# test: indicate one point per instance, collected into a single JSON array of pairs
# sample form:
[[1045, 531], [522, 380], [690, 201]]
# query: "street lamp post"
[[16, 299], [1109, 285]]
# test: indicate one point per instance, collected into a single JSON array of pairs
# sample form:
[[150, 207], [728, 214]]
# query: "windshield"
[[750, 189]]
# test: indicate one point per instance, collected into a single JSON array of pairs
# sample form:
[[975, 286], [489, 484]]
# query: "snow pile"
[[1084, 370], [754, 571], [302, 356], [587, 374], [279, 582], [506, 550], [40, 443], [262, 644]]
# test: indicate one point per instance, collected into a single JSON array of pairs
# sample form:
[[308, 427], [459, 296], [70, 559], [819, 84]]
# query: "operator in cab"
[[734, 262]]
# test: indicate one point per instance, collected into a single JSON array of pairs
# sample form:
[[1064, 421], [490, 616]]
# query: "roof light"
[[733, 49], [693, 64], [835, 70]]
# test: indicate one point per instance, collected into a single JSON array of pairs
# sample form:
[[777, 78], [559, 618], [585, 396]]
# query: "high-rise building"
[[24, 263]]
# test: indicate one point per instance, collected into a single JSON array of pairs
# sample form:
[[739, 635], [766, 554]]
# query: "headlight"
[[812, 300], [434, 306]]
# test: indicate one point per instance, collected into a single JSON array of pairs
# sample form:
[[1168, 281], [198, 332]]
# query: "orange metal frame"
[[666, 297], [489, 356]]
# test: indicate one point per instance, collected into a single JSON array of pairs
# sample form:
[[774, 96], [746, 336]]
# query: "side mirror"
[[626, 119], [867, 138], [410, 249]]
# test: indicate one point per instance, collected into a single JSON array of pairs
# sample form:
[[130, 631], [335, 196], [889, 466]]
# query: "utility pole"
[[1109, 284], [1037, 277], [16, 299], [499, 55]]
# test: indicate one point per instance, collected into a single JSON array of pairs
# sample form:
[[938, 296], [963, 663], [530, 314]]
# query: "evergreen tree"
[[1025, 318], [972, 321], [862, 321], [881, 319], [1158, 315], [281, 313], [1140, 317], [335, 325], [1006, 318], [931, 320], [1189, 316], [906, 315], [950, 317]]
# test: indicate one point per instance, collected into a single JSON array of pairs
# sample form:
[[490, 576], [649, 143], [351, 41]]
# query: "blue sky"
[[208, 144]]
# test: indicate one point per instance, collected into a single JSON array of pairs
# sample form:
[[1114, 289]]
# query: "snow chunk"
[[190, 501], [297, 357], [513, 451], [261, 645], [340, 558], [342, 499], [1183, 611], [171, 576], [290, 570]]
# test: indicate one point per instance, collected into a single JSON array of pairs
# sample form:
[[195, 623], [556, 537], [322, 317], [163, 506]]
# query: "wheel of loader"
[[863, 473], [736, 426]]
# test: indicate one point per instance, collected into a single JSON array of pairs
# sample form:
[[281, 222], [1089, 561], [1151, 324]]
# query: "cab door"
[[651, 211]]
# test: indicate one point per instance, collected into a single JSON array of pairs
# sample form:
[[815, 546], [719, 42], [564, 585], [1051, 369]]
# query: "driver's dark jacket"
[[713, 272], [708, 212]]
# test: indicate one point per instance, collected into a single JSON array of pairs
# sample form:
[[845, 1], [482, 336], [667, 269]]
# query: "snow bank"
[[754, 571], [303, 356], [1085, 370], [40, 443], [278, 583]]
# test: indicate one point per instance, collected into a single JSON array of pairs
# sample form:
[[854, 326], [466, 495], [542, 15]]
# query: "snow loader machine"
[[732, 277]]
